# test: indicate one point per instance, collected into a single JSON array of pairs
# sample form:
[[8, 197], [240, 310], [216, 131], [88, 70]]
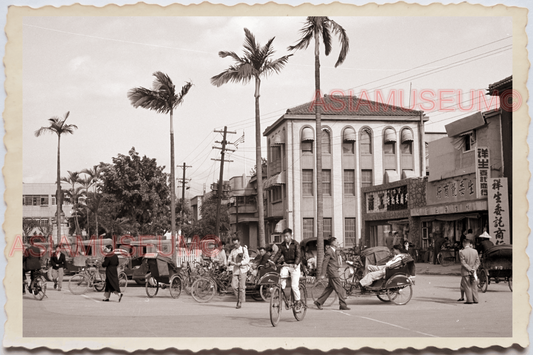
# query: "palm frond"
[[326, 36], [251, 47], [275, 66], [149, 99], [224, 54], [307, 33], [184, 90], [163, 83], [343, 40], [240, 73]]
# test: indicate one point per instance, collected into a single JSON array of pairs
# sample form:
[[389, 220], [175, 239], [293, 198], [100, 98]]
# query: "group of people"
[[32, 263]]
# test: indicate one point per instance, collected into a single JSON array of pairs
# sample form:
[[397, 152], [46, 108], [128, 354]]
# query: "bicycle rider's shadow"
[[439, 300]]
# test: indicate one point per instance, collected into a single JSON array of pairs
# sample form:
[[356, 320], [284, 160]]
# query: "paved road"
[[432, 312]]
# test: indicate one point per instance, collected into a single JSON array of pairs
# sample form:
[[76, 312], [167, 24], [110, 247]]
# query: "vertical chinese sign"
[[498, 201], [482, 171]]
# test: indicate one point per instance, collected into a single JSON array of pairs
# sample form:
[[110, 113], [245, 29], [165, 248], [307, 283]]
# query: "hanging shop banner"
[[482, 171], [498, 203]]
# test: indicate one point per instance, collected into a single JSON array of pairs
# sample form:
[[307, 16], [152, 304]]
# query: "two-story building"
[[364, 143], [243, 210]]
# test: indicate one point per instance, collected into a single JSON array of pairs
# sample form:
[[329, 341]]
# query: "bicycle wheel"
[[447, 259], [299, 314], [78, 284], [99, 282], [203, 290], [39, 288], [275, 306], [318, 288], [266, 291], [122, 281], [346, 275], [483, 280], [383, 299], [151, 286], [175, 286], [402, 292]]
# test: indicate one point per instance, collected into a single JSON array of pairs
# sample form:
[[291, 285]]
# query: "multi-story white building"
[[364, 143]]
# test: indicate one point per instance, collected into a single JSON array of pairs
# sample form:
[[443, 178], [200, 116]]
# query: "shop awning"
[[275, 180], [407, 174], [390, 136], [349, 135], [307, 135], [391, 176], [465, 124], [407, 135], [450, 217]]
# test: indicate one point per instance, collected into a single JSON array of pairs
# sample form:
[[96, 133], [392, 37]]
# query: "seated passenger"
[[259, 264], [378, 271]]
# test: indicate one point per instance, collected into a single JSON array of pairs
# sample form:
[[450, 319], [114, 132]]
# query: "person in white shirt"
[[378, 271], [239, 259], [220, 257]]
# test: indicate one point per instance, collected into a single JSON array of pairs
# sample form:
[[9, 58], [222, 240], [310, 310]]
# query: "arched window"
[[366, 142], [407, 141], [326, 142], [348, 141], [389, 141], [307, 140]]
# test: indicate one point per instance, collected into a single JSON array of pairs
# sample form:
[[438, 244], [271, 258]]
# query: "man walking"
[[58, 263], [330, 265], [239, 260], [469, 264]]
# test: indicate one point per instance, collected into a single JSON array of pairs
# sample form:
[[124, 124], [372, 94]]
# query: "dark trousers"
[[333, 284]]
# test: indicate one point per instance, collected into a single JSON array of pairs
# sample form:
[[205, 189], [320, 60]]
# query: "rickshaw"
[[395, 286], [496, 265], [162, 273]]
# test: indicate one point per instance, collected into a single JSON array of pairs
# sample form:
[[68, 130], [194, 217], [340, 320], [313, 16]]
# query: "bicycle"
[[278, 298], [206, 287], [37, 286], [86, 278]]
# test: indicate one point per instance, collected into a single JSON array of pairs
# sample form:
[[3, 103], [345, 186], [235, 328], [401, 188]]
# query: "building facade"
[[243, 210], [364, 143]]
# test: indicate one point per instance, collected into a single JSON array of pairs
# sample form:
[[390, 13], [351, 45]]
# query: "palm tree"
[[74, 195], [255, 63], [163, 99], [93, 179], [314, 29], [73, 179], [86, 182], [58, 127]]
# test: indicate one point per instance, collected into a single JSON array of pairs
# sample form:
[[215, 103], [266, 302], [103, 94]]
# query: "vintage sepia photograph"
[[198, 174]]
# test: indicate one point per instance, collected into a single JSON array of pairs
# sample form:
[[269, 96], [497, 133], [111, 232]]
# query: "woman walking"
[[111, 280]]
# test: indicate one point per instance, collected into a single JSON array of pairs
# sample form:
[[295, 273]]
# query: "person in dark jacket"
[[291, 252], [32, 262], [111, 274], [58, 262], [331, 264]]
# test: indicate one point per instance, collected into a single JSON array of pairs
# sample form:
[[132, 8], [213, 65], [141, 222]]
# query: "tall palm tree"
[[314, 29], [255, 62], [59, 127], [73, 178], [93, 177], [163, 98], [74, 195], [86, 182]]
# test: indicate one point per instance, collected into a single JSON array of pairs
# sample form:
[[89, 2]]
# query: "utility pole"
[[221, 178], [183, 181]]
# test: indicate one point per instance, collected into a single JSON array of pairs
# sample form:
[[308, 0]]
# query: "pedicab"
[[496, 265], [162, 273], [395, 286]]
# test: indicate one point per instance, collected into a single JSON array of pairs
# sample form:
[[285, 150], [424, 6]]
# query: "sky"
[[86, 65]]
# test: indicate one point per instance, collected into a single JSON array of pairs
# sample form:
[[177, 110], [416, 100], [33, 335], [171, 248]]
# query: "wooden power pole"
[[221, 178]]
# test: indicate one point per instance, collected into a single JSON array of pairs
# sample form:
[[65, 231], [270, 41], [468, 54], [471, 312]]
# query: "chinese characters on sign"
[[452, 190], [392, 199], [498, 203], [482, 161]]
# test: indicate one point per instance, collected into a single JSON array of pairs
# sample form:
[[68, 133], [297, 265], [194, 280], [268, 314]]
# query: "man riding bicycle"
[[290, 249]]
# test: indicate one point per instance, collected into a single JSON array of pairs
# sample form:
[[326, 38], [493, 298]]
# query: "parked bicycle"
[[206, 287], [37, 287], [89, 276], [278, 298]]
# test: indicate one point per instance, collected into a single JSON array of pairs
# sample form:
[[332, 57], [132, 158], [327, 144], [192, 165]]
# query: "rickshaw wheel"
[[203, 290], [257, 295], [510, 283], [122, 281], [318, 288], [275, 306], [78, 284], [151, 286], [175, 286], [383, 299], [265, 291], [99, 281], [399, 295], [303, 310], [40, 287], [483, 281]]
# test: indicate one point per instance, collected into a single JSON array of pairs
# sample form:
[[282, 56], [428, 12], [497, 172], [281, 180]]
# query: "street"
[[432, 312]]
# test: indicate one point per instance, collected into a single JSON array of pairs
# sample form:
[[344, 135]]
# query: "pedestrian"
[[437, 246], [58, 264], [389, 240], [220, 257], [32, 262], [111, 274], [330, 265], [239, 260], [469, 265]]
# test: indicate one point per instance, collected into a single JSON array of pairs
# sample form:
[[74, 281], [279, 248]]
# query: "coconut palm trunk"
[[172, 188], [318, 140], [259, 170], [59, 197]]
